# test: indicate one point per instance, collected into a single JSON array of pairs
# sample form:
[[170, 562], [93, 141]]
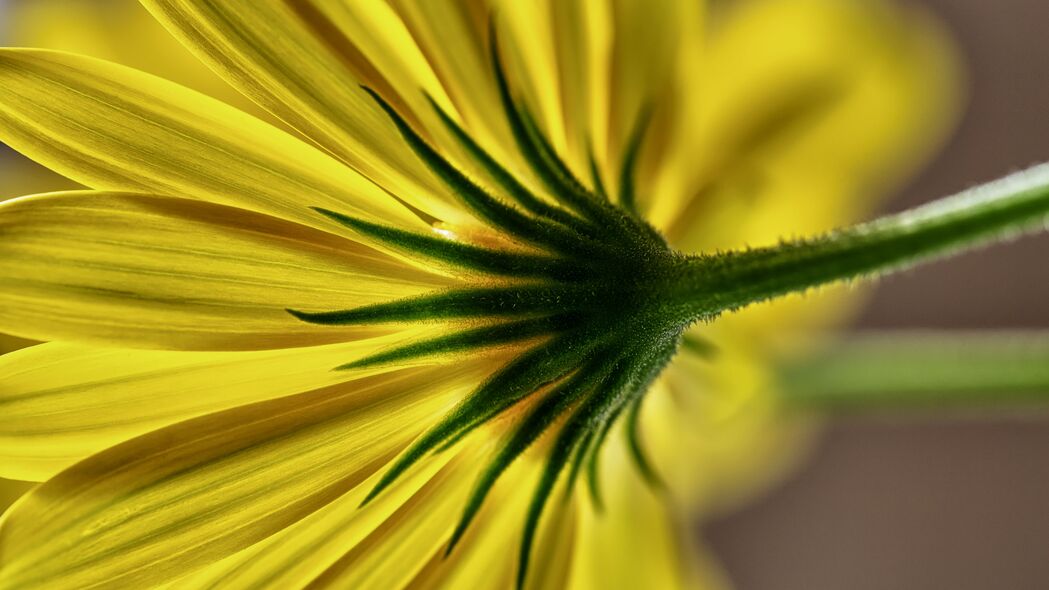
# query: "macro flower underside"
[[360, 360]]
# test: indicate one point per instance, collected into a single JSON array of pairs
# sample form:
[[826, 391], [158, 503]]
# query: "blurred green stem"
[[930, 369]]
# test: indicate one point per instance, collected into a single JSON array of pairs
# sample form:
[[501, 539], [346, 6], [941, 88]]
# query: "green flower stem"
[[903, 370], [701, 287]]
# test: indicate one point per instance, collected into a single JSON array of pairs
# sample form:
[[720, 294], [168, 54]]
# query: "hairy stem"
[[929, 369], [704, 286]]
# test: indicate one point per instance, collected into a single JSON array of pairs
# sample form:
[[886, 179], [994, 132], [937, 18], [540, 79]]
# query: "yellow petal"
[[451, 34], [639, 540], [11, 490], [398, 543], [63, 402], [112, 127], [158, 272], [408, 551], [298, 555], [161, 505], [376, 45], [717, 430], [487, 554], [584, 34], [296, 64], [86, 27], [9, 343], [399, 540], [647, 37], [527, 47]]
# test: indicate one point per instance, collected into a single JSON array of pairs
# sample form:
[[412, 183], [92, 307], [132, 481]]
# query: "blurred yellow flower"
[[436, 178]]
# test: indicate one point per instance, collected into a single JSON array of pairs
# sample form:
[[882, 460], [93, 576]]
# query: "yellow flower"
[[440, 226]]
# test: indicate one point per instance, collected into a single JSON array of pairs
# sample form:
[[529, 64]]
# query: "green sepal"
[[578, 459], [593, 463], [567, 184], [535, 423], [563, 448], [637, 452], [497, 262], [531, 230], [482, 337], [533, 146], [701, 347], [509, 182], [645, 365], [517, 379], [595, 174], [463, 303], [627, 181], [588, 414]]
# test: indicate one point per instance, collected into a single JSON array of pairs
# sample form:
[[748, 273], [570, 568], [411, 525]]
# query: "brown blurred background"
[[912, 503]]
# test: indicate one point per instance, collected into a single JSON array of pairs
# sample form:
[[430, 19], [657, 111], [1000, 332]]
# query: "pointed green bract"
[[479, 303], [532, 230], [511, 184], [538, 420], [627, 188], [593, 462], [563, 178], [534, 147], [483, 337], [594, 411], [538, 366], [578, 459], [595, 174], [637, 452], [463, 255], [701, 347], [555, 463]]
